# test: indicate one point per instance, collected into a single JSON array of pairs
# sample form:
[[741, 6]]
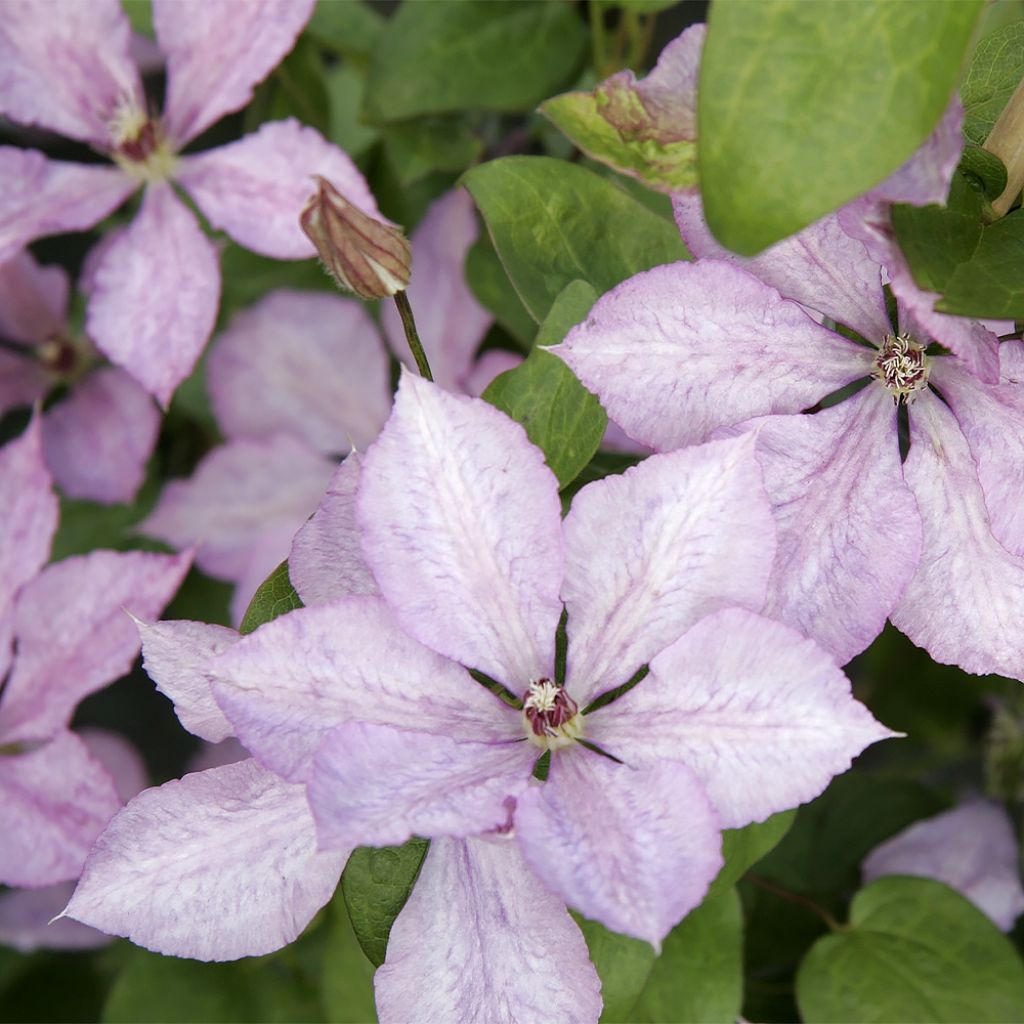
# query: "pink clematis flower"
[[155, 284], [366, 702], [98, 438], [63, 635]]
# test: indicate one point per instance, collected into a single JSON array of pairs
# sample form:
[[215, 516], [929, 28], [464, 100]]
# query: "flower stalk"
[[412, 335], [1006, 141]]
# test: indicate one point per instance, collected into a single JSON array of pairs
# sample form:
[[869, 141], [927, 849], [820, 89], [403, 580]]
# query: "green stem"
[[405, 312], [795, 897]]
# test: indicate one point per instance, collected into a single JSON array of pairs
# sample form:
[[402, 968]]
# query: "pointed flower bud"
[[364, 255]]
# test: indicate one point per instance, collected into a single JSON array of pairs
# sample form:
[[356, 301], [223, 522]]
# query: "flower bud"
[[363, 254]]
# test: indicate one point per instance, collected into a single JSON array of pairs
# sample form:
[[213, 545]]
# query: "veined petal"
[[633, 848], [215, 866], [217, 52], [33, 299], [652, 551], [450, 321], [255, 188], [48, 197], [99, 439], [326, 560], [965, 603], [176, 656], [54, 802], [849, 532], [992, 419], [25, 916], [377, 786], [821, 267], [294, 679], [762, 716], [66, 66], [480, 938], [972, 848], [462, 529], [306, 363], [73, 634], [680, 350]]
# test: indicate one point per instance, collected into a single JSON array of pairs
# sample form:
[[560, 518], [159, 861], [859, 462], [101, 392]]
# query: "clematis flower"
[[368, 703], [155, 284], [933, 543], [971, 848], [99, 437], [63, 635]]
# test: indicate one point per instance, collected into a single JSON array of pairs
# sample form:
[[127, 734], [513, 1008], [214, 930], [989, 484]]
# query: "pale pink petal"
[[215, 866], [33, 299], [992, 419], [176, 655], [305, 363], [55, 800], [848, 528], [965, 604], [462, 529], [65, 65], [633, 848], [377, 786], [122, 761], [99, 439], [682, 349], [73, 634], [25, 916], [763, 717], [47, 197], [972, 848], [29, 512], [821, 267], [326, 561], [650, 552], [255, 189], [239, 493], [480, 939], [450, 322], [294, 679], [216, 755], [22, 381], [492, 363], [155, 293]]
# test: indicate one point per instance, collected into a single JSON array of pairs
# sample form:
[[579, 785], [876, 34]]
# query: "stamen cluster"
[[901, 366], [552, 715]]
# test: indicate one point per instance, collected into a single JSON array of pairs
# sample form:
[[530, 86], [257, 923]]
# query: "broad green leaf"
[[347, 983], [167, 990], [275, 596], [349, 27], [345, 85], [991, 283], [493, 290], [641, 6], [989, 170], [295, 89], [914, 950], [699, 976], [553, 223], [935, 240], [441, 143], [996, 68], [803, 106], [612, 125], [622, 963], [560, 415], [140, 14], [504, 55], [376, 883], [742, 848]]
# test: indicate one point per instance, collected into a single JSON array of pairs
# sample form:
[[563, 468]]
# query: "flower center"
[[552, 717], [138, 145], [901, 366]]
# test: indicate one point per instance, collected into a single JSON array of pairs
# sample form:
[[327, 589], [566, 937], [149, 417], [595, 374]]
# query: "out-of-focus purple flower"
[[63, 635], [98, 438], [154, 289], [971, 848]]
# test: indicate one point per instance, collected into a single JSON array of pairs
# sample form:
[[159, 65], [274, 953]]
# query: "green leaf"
[[348, 27], [140, 14], [612, 125], [347, 983], [742, 848], [345, 87], [699, 976], [441, 143], [376, 883], [295, 89], [991, 284], [275, 596], [995, 70], [560, 415], [935, 240], [553, 223], [623, 965], [803, 106], [493, 290], [987, 168], [915, 950], [504, 55]]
